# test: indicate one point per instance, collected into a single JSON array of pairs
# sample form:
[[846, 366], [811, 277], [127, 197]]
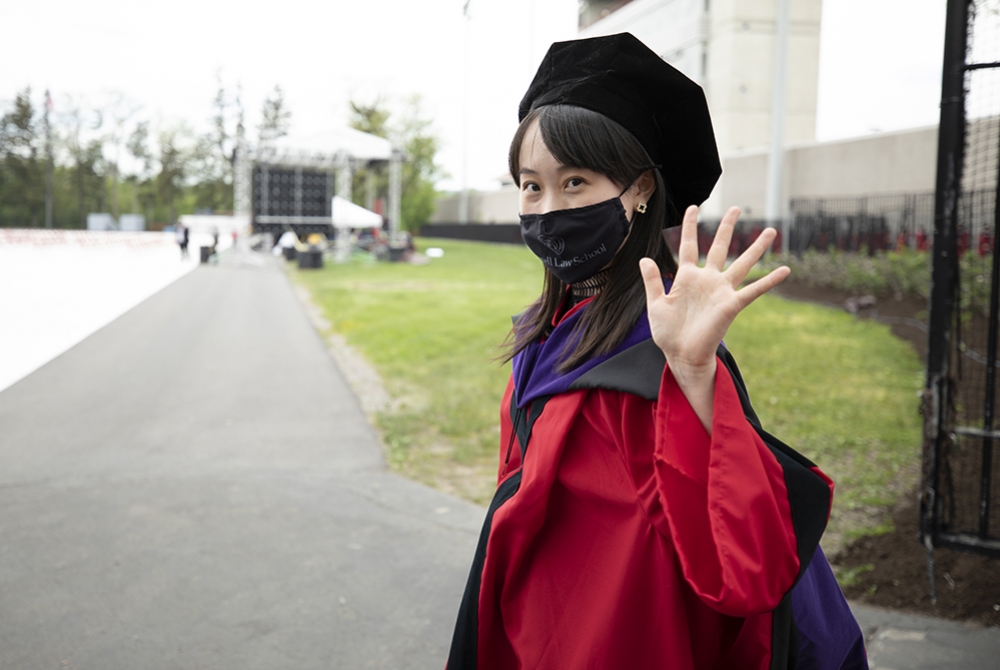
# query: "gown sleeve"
[[744, 511]]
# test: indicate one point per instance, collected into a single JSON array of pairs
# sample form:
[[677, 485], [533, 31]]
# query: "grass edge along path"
[[432, 332], [842, 391]]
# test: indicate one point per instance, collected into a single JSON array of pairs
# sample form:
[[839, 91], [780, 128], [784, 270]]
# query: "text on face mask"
[[576, 260]]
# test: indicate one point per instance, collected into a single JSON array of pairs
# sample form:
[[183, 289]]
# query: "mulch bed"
[[892, 568]]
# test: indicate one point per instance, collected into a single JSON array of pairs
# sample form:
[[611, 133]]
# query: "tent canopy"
[[327, 144], [348, 215]]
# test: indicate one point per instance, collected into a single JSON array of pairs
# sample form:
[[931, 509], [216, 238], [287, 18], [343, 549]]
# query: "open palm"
[[689, 322]]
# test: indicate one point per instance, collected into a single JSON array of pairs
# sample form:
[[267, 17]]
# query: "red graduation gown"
[[627, 537], [611, 556]]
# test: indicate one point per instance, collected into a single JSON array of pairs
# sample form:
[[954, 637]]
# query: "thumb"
[[652, 280]]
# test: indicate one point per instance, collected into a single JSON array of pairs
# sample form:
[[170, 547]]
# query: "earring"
[[641, 208]]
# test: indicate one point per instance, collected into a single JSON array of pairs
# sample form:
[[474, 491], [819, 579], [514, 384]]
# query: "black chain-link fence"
[[960, 501]]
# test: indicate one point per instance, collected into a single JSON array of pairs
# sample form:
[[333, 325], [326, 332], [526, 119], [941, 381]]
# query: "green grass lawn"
[[840, 390], [433, 333]]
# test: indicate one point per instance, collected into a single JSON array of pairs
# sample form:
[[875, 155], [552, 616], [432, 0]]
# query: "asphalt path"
[[195, 486]]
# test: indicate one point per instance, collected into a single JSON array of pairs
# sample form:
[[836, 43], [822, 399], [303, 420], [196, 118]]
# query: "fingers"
[[687, 252], [719, 250], [741, 266], [751, 292], [652, 280]]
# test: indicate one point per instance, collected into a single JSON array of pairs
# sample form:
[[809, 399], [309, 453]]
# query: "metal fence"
[[867, 223], [960, 503], [859, 224]]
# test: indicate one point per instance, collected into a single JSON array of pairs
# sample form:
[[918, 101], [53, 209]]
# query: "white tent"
[[347, 140], [348, 215]]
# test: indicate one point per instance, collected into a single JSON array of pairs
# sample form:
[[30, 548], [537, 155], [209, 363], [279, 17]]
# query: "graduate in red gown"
[[643, 517]]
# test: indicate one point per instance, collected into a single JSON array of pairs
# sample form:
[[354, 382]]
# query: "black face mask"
[[575, 244]]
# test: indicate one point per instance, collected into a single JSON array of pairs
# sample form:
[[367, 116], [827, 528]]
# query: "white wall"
[[740, 66], [727, 46], [729, 50], [885, 163], [484, 207], [674, 29]]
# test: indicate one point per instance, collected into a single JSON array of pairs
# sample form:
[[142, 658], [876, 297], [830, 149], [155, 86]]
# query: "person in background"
[[182, 235]]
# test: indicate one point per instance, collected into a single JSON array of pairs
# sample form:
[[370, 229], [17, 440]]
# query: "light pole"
[[463, 199], [48, 161], [775, 206]]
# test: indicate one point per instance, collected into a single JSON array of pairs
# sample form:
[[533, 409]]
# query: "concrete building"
[[727, 46]]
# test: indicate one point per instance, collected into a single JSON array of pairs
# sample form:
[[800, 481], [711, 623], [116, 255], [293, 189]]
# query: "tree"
[[372, 180], [22, 189], [215, 185], [138, 147], [120, 111], [170, 179], [372, 118], [420, 172], [109, 157], [275, 117], [215, 155], [414, 135], [86, 151]]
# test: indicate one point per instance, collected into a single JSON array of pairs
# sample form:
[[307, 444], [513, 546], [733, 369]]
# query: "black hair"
[[580, 138]]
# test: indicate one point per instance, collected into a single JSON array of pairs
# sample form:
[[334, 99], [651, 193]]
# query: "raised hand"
[[689, 322]]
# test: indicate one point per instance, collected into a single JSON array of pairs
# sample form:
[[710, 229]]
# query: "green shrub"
[[894, 274]]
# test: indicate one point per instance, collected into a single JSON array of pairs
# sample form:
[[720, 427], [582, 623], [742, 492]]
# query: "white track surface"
[[59, 286]]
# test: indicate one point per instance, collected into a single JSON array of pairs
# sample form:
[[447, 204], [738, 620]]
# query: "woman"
[[642, 517]]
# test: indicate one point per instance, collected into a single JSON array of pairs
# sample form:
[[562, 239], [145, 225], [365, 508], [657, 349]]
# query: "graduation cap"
[[620, 77]]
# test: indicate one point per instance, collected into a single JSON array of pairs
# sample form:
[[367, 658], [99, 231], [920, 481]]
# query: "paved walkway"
[[898, 641], [194, 486]]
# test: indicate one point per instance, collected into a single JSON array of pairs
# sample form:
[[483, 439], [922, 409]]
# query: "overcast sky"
[[880, 61]]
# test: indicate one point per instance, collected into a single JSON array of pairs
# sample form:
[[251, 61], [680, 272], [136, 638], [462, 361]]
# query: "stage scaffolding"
[[288, 183]]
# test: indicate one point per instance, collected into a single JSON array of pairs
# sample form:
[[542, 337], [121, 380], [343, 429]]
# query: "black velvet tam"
[[620, 77]]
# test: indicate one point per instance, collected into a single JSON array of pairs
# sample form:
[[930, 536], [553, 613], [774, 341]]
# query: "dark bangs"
[[580, 138]]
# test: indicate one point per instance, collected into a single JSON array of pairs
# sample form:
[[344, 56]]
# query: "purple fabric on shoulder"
[[535, 368]]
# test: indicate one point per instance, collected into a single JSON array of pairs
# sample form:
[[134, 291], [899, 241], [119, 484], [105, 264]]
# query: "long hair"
[[580, 138]]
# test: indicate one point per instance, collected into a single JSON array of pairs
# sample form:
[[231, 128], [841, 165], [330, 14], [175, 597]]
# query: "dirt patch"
[[890, 570], [906, 317]]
